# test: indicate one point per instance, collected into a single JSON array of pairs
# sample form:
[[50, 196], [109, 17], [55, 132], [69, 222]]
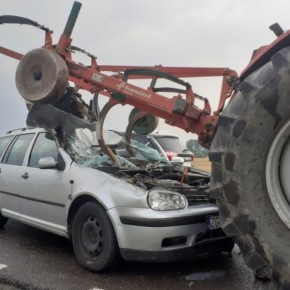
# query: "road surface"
[[33, 259]]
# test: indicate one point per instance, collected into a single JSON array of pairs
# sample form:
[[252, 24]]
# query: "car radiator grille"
[[196, 196], [197, 199]]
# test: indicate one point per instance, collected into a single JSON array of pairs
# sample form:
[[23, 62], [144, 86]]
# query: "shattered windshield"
[[79, 139], [84, 149]]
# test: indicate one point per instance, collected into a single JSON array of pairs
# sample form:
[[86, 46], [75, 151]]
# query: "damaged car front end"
[[157, 211]]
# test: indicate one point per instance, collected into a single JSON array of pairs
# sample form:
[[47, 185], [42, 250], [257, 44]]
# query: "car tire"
[[248, 180], [3, 221], [93, 238]]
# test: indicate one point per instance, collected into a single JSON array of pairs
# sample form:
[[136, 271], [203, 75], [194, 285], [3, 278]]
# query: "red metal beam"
[[179, 72], [10, 53]]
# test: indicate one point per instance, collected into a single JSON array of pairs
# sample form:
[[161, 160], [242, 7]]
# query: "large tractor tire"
[[251, 169]]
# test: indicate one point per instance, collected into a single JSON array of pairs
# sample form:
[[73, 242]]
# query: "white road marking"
[[96, 288], [2, 266]]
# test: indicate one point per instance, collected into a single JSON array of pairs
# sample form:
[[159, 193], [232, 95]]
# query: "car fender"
[[108, 190]]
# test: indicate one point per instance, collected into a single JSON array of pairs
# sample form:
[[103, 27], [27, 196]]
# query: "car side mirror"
[[47, 163]]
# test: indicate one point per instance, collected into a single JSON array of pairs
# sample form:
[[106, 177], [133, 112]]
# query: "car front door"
[[45, 191]]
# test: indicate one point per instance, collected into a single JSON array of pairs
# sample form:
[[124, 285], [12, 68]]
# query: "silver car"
[[61, 183]]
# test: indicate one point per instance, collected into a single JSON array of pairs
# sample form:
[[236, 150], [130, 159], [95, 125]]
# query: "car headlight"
[[166, 200]]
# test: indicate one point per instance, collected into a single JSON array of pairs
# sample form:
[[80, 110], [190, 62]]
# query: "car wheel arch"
[[74, 207]]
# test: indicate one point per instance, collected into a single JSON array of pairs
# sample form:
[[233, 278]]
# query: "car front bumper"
[[148, 235]]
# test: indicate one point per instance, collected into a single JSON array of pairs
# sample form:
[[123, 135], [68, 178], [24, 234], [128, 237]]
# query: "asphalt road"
[[33, 259]]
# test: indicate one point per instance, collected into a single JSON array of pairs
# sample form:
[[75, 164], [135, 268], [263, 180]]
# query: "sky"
[[189, 33]]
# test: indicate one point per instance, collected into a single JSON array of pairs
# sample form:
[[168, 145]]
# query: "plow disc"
[[41, 76]]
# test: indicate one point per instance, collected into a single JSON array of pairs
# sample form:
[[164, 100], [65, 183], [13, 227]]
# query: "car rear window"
[[18, 150], [170, 143]]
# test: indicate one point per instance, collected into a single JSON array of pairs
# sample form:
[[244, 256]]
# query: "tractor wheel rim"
[[278, 173]]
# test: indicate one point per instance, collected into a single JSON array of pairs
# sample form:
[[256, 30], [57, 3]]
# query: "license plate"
[[213, 222]]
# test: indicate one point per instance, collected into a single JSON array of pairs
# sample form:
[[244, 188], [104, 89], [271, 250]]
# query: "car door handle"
[[25, 175]]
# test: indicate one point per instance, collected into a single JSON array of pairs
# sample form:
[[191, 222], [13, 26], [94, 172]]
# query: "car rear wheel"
[[94, 240]]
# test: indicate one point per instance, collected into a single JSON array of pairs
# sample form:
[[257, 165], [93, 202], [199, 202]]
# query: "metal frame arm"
[[180, 110]]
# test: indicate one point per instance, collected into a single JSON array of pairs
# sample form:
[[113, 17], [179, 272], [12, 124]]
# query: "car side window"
[[3, 143], [18, 150], [44, 146]]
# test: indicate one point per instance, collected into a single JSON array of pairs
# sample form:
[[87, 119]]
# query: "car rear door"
[[11, 171]]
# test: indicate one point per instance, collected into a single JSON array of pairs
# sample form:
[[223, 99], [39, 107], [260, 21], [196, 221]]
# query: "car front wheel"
[[94, 240]]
